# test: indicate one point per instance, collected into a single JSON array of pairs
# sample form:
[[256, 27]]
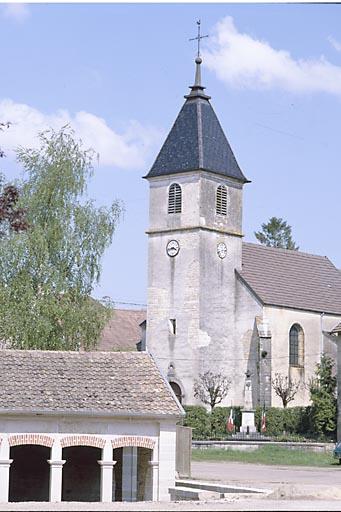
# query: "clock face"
[[173, 248], [221, 250]]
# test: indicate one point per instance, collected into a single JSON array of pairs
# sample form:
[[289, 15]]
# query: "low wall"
[[254, 445]]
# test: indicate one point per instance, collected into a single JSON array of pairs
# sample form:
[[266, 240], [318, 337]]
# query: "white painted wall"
[[162, 432]]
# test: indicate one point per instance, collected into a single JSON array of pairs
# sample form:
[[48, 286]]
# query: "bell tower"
[[194, 246]]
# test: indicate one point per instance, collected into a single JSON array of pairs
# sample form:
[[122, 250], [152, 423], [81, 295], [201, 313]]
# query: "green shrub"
[[198, 418], [291, 424], [219, 418]]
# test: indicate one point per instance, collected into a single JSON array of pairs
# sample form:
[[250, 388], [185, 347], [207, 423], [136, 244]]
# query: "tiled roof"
[[109, 383], [292, 279], [196, 142], [123, 331]]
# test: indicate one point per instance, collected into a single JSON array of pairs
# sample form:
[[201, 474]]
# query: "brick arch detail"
[[82, 440], [137, 441], [39, 439]]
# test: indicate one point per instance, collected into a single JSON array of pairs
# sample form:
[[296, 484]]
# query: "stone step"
[[179, 493], [220, 489]]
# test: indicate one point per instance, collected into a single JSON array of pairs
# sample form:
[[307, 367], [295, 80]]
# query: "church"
[[215, 302]]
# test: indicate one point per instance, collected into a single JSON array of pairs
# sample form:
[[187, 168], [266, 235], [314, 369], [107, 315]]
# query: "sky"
[[117, 73]]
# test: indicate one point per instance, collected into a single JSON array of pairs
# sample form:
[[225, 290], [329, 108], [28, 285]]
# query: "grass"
[[272, 455]]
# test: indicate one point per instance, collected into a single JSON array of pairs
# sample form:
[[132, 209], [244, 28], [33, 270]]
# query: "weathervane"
[[198, 38]]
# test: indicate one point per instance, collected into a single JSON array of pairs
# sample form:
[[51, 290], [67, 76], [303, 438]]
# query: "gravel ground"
[[294, 488], [230, 504]]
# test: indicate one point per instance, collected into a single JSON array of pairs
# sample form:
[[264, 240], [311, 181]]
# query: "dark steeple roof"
[[196, 140]]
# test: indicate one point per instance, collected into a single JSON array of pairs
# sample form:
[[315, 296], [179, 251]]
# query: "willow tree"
[[47, 273]]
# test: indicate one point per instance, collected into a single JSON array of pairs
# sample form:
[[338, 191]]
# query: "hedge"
[[293, 421], [210, 426]]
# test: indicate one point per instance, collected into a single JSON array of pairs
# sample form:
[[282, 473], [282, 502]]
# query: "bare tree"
[[285, 388], [211, 388]]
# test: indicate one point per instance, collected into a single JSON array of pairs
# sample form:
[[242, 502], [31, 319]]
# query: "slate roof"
[[292, 279], [108, 383], [196, 142], [122, 331]]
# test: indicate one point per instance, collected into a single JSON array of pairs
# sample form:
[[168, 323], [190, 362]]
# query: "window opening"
[[174, 198], [172, 326], [221, 200]]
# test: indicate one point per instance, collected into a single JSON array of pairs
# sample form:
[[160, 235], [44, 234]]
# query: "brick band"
[[39, 439], [95, 442], [140, 442]]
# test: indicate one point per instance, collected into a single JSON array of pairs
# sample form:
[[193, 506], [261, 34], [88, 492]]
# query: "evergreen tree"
[[276, 233], [47, 273], [323, 396]]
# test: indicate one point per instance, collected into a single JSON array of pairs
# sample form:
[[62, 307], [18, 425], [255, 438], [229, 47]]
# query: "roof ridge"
[[291, 251], [71, 352]]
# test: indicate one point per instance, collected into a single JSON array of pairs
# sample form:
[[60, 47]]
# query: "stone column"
[[56, 471], [129, 473], [5, 464], [154, 475], [4, 479], [107, 467], [56, 476], [166, 453]]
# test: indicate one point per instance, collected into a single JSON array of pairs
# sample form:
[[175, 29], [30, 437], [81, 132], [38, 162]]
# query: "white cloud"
[[17, 12], [335, 44], [128, 150], [241, 60]]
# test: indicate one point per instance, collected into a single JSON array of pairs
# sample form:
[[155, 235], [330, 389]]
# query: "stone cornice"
[[193, 228]]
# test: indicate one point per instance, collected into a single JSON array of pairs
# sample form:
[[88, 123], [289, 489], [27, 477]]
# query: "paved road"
[[293, 481], [256, 475]]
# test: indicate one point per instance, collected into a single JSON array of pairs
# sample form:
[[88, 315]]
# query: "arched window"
[[177, 390], [221, 200], [174, 198], [296, 346]]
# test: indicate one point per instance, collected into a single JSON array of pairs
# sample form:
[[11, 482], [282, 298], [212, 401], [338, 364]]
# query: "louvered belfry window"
[[221, 200], [174, 198]]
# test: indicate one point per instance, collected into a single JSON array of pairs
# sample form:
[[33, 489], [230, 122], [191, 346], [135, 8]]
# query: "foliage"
[[48, 272], [12, 217], [289, 424], [2, 127], [198, 418], [323, 396], [219, 417], [276, 233], [285, 388], [267, 454], [211, 388], [210, 425], [292, 421]]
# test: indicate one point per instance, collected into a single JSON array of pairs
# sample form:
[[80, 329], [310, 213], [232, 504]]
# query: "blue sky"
[[118, 72]]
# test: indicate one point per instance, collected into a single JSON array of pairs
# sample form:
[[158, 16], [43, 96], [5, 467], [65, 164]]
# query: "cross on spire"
[[198, 38]]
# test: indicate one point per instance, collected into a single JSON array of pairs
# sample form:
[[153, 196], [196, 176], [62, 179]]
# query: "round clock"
[[221, 250], [173, 248]]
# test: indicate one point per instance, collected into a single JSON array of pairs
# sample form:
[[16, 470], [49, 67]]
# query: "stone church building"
[[218, 303]]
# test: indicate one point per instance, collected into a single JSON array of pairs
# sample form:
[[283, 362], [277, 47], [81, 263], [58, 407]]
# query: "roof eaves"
[[88, 413], [169, 387], [249, 287]]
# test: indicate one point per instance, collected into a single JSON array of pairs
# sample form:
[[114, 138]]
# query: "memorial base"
[[248, 422]]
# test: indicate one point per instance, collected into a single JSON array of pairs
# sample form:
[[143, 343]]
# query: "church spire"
[[197, 90], [196, 140]]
